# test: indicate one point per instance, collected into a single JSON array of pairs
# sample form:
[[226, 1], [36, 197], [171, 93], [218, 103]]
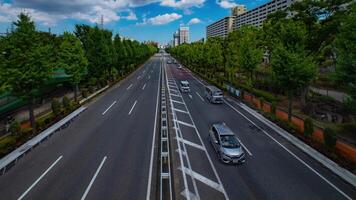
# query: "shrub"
[[15, 127], [85, 93], [56, 107], [93, 81], [330, 137], [66, 103], [40, 124], [308, 127]]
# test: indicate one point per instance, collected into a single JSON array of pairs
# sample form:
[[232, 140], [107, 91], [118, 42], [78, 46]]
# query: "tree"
[[27, 64], [71, 57], [293, 69], [213, 54], [345, 73], [249, 51]]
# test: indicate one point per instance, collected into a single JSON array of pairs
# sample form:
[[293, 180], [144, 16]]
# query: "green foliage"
[[308, 127], [56, 107], [330, 137], [15, 127], [66, 103], [345, 73]]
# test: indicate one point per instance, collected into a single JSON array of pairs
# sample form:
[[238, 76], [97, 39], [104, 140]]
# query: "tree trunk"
[[304, 94], [76, 92], [290, 102], [31, 113]]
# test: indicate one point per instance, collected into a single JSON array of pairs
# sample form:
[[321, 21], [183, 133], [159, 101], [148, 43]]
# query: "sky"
[[142, 20]]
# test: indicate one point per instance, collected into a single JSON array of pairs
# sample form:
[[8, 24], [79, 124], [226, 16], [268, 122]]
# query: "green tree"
[[71, 57], [293, 69], [213, 54], [27, 64], [345, 73]]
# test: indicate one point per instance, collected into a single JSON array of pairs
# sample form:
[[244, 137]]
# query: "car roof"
[[213, 88], [184, 82], [223, 129]]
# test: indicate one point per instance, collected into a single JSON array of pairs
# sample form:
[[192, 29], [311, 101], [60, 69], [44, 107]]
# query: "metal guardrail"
[[165, 166], [13, 157]]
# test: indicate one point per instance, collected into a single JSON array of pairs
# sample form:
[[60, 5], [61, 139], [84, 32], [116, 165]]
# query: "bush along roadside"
[[323, 140]]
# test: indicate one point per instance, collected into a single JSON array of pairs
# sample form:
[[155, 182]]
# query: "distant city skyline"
[[141, 20]]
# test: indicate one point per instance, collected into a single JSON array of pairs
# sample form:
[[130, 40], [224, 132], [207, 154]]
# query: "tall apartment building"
[[257, 15], [221, 28], [183, 34], [176, 39], [238, 10], [224, 26]]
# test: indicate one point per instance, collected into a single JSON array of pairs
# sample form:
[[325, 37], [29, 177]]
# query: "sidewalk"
[[338, 96]]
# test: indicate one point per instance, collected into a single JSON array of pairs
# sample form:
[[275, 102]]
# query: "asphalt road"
[[104, 154], [274, 169]]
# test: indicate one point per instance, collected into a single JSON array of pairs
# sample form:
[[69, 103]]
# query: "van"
[[184, 86], [213, 94]]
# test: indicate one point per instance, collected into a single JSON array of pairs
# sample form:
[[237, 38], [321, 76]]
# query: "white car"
[[184, 86]]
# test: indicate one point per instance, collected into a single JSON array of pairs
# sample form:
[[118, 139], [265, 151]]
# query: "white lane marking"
[[285, 148], [291, 153], [203, 179], [200, 96], [108, 108], [38, 180], [175, 95], [188, 194], [149, 77], [138, 77], [191, 144], [190, 96], [144, 86], [93, 179], [248, 151], [185, 123], [133, 106], [174, 101], [178, 110], [129, 87], [174, 90], [148, 192]]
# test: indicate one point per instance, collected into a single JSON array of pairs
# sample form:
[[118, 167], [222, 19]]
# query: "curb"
[[13, 157], [93, 95], [345, 174]]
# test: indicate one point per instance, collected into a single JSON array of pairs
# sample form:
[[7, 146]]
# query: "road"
[[109, 151], [275, 169], [104, 154]]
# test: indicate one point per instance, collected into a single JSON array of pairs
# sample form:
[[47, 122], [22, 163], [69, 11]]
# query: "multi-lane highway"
[[110, 150], [104, 154], [274, 168]]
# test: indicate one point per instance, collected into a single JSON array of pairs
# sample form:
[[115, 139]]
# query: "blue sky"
[[137, 19]]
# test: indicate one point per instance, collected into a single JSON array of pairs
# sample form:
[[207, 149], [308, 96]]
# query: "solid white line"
[[148, 192], [199, 96], [178, 110], [185, 123], [108, 108], [291, 153], [191, 144], [133, 106], [248, 151], [34, 184], [174, 101], [144, 86], [129, 87], [203, 179], [93, 179]]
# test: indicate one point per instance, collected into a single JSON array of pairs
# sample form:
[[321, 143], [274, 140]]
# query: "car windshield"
[[217, 93], [229, 141], [185, 84]]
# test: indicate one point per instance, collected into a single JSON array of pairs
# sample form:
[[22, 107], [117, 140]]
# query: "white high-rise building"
[[183, 34]]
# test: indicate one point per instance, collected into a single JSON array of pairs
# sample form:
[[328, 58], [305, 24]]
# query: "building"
[[257, 15], [183, 35], [238, 10], [175, 39], [221, 28]]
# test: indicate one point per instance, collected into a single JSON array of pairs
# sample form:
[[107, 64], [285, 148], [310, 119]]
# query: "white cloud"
[[49, 12], [226, 3], [194, 21], [182, 4], [161, 19]]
